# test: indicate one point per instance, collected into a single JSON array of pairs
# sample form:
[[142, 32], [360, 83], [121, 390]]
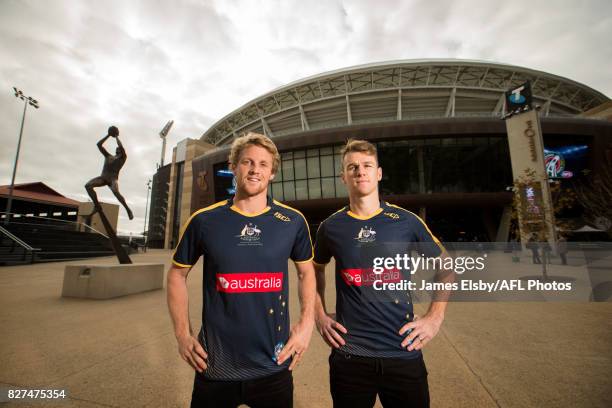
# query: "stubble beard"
[[249, 192]]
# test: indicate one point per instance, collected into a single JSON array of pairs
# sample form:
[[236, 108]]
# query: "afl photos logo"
[[366, 235]]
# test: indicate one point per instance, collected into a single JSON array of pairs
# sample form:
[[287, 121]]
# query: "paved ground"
[[122, 352]]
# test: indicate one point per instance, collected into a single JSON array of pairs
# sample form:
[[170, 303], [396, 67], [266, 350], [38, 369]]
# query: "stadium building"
[[438, 128]]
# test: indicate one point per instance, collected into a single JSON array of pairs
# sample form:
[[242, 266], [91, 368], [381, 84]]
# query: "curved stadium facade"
[[437, 126]]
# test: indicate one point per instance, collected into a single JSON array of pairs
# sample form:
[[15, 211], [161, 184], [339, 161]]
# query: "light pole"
[[28, 100], [163, 134], [145, 233]]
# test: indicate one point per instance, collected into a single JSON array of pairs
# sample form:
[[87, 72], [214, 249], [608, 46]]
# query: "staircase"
[[37, 240]]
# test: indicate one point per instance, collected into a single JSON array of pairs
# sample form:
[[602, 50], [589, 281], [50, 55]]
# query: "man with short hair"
[[375, 337], [244, 347]]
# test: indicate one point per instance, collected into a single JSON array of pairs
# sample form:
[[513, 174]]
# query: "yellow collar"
[[367, 217]]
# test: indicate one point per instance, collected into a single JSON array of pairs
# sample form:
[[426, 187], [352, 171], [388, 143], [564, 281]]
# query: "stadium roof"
[[399, 90]]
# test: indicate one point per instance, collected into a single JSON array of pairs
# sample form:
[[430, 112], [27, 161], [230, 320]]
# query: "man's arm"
[[123, 152], [101, 148], [326, 323], [189, 347], [426, 328], [301, 333]]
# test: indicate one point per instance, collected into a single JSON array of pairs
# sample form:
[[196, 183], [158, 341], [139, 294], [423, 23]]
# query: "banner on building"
[[535, 211]]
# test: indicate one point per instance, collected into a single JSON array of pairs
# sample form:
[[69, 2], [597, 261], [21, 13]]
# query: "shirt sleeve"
[[322, 254], [427, 243], [190, 246], [302, 246]]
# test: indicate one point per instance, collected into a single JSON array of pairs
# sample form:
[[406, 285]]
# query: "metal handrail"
[[21, 243], [55, 220]]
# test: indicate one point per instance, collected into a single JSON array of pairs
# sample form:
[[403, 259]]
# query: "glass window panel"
[[444, 172], [314, 188], [301, 190], [402, 143], [277, 191], [400, 168], [464, 141], [448, 141], [279, 173], [431, 142], [340, 188], [326, 150], [327, 186], [298, 154], [327, 166], [338, 148], [314, 171], [481, 140], [300, 169], [223, 184], [287, 170], [289, 190], [338, 164], [312, 152], [287, 156]]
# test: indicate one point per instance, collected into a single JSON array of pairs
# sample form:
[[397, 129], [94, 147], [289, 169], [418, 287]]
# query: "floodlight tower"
[[163, 134], [28, 100]]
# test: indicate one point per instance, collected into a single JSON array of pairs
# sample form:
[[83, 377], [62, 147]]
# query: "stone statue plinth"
[[111, 281]]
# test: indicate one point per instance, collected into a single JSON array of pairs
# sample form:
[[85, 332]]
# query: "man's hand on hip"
[[421, 331], [192, 352], [298, 342], [330, 329]]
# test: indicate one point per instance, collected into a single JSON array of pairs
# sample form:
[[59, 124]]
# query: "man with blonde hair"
[[375, 337], [245, 351]]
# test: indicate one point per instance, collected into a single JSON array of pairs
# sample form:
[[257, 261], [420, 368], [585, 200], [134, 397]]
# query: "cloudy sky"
[[140, 63]]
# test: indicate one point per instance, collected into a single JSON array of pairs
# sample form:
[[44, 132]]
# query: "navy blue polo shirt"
[[245, 314], [373, 317]]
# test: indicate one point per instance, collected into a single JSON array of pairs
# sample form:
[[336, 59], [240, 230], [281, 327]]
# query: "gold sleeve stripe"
[[181, 265], [436, 240], [334, 213], [340, 210], [201, 210], [307, 227], [304, 261]]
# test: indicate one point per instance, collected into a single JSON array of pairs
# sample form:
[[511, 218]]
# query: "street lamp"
[[145, 234], [28, 100]]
